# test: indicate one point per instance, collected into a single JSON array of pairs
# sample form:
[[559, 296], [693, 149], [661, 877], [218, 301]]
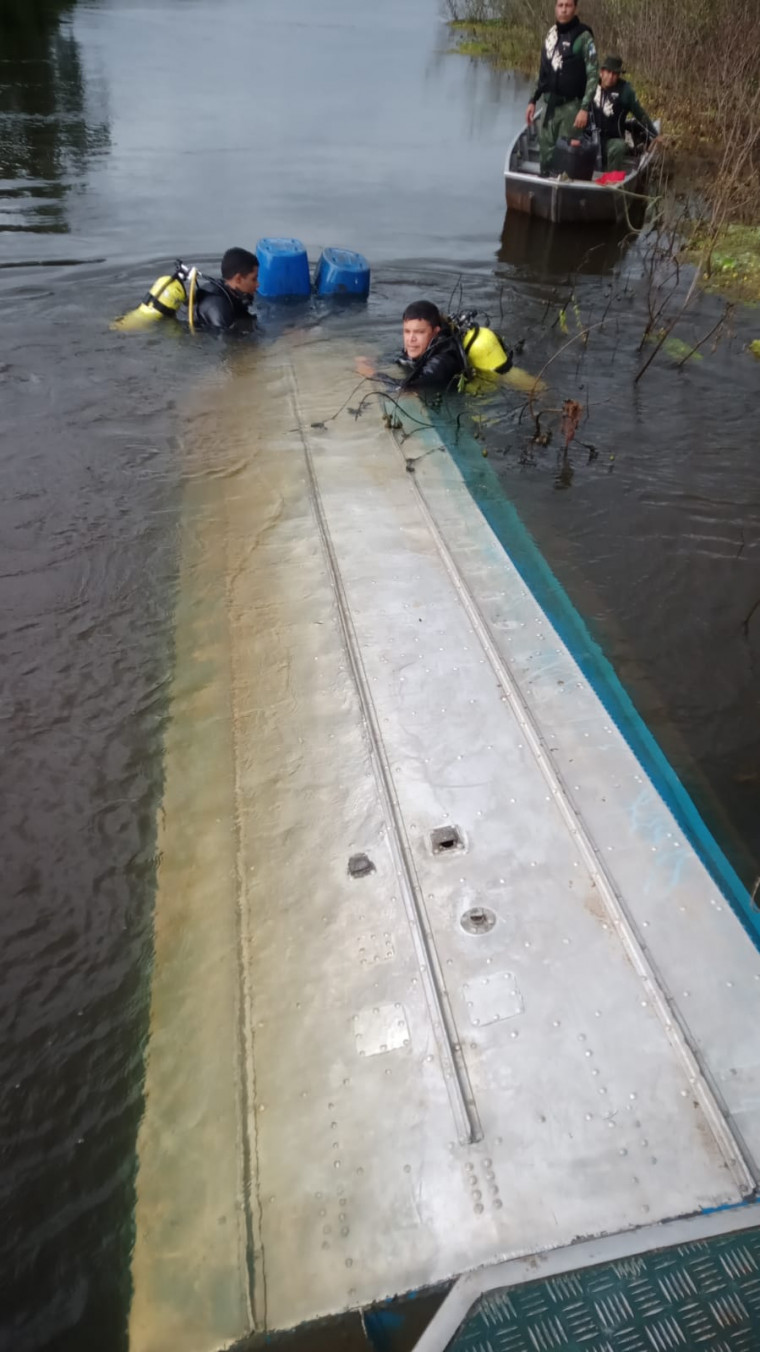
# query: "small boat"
[[569, 201]]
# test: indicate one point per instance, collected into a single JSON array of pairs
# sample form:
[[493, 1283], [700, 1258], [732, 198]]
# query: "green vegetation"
[[511, 47], [675, 348], [730, 261]]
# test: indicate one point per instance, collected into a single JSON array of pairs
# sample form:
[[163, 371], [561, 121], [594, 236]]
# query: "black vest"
[[566, 71], [609, 113]]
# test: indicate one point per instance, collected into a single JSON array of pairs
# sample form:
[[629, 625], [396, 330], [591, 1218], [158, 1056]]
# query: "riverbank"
[[510, 46], [730, 263], [697, 74]]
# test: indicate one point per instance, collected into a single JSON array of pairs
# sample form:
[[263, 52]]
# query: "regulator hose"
[[191, 300]]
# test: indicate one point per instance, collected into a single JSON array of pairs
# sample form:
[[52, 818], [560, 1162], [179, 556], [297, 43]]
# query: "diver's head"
[[240, 270], [422, 323]]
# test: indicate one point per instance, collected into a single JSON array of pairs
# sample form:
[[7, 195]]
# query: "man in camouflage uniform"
[[614, 102], [567, 79]]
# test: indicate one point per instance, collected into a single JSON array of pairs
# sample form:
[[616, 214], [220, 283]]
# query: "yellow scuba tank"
[[164, 299], [485, 350], [487, 355]]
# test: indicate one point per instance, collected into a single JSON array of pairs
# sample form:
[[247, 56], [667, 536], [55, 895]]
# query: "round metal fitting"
[[478, 920], [360, 866]]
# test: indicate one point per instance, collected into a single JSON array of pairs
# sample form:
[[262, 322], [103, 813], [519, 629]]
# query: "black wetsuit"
[[220, 308], [439, 367]]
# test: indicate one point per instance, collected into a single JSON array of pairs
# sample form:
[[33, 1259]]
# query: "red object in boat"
[[614, 176]]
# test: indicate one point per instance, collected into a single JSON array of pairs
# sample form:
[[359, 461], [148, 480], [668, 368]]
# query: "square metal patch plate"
[[381, 1028], [491, 998]]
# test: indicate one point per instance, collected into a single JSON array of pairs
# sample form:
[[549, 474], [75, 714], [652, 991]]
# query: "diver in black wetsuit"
[[432, 356], [224, 305]]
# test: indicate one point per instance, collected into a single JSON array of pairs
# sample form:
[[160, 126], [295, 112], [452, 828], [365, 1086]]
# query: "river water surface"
[[131, 133]]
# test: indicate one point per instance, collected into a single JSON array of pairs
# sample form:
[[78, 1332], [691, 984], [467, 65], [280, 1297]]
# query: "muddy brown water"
[[131, 133]]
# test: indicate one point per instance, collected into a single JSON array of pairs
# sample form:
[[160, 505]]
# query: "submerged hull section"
[[426, 936]]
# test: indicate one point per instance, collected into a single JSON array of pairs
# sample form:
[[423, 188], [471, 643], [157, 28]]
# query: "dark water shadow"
[[536, 246], [48, 135]]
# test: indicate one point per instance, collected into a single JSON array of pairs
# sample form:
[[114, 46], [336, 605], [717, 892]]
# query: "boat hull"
[[569, 203], [405, 1021]]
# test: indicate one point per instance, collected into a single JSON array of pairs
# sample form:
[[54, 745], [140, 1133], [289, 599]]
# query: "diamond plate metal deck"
[[694, 1296]]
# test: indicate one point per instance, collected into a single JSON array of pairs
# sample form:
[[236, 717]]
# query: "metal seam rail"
[[252, 1205], [727, 1136], [457, 1079]]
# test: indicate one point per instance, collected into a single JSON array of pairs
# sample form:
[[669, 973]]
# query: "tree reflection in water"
[[47, 135]]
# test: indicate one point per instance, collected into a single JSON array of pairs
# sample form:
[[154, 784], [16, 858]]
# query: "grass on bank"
[[730, 263], [512, 47]]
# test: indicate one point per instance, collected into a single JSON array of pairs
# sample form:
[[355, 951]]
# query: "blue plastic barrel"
[[342, 273], [283, 269]]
